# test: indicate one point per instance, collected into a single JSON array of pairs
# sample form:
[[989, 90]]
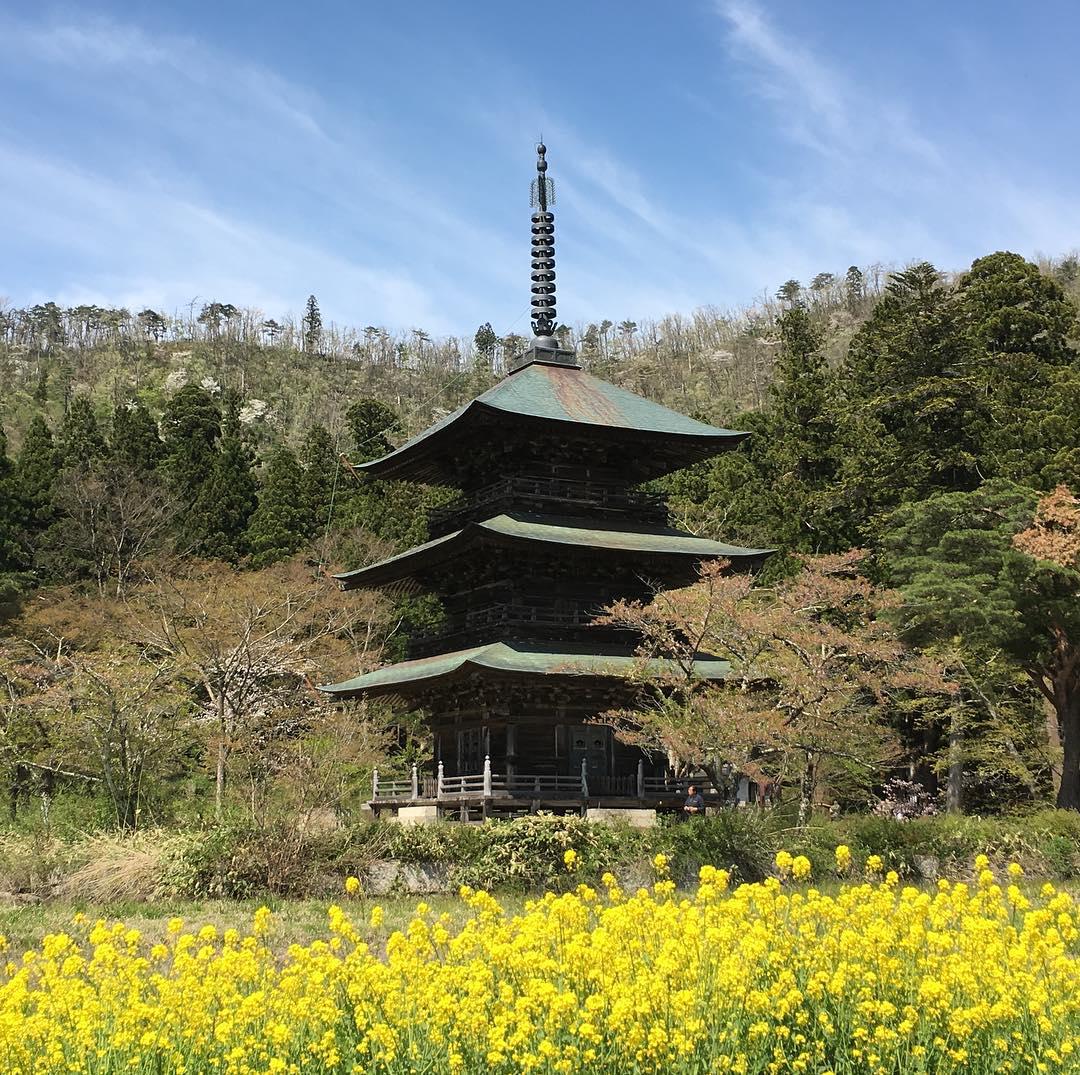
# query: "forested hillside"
[[171, 498]]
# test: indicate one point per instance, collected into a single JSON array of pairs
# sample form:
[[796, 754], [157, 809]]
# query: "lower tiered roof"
[[508, 658], [528, 529]]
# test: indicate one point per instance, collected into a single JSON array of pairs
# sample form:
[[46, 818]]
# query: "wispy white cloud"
[[185, 168], [357, 227], [179, 249]]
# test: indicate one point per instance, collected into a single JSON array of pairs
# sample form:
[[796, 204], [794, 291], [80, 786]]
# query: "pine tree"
[[191, 426], [280, 524], [370, 422], [1019, 323], [911, 405], [12, 554], [81, 441], [797, 444], [320, 463], [226, 501], [486, 341], [35, 476], [134, 442], [855, 288], [312, 327]]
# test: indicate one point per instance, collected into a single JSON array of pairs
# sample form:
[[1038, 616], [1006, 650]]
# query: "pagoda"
[[550, 527]]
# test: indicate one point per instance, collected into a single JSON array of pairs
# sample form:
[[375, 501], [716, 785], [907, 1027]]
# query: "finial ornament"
[[543, 249]]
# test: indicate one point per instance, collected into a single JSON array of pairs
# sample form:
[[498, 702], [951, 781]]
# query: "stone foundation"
[[416, 815], [635, 817]]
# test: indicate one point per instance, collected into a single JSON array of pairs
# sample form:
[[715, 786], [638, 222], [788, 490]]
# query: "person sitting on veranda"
[[695, 802]]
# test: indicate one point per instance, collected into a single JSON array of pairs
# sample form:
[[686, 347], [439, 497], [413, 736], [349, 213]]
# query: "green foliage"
[[312, 326], [225, 503], [242, 859], [35, 475], [321, 474], [12, 554], [1019, 322], [191, 426], [134, 442], [952, 557], [81, 441], [371, 423], [281, 522], [907, 427]]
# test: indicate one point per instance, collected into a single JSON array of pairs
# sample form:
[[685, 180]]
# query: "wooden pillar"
[[415, 783], [487, 776], [511, 748], [641, 778], [439, 782]]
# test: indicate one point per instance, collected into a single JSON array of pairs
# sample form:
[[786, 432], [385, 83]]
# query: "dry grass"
[[117, 869]]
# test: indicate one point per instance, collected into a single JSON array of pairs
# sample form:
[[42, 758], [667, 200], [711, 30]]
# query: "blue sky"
[[379, 154]]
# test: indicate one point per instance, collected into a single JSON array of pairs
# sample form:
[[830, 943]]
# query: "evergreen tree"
[[280, 524], [1019, 322], [970, 582], [370, 422], [191, 426], [797, 441], [35, 476], [12, 555], [486, 341], [134, 442], [910, 401], [320, 463], [854, 288], [789, 291], [81, 441], [312, 327], [226, 501]]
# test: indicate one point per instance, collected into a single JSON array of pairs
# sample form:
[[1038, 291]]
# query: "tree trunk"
[[806, 789], [954, 788], [219, 770], [1067, 704], [219, 779]]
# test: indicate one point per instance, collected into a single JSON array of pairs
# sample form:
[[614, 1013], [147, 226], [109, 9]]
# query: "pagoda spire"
[[542, 197], [545, 347]]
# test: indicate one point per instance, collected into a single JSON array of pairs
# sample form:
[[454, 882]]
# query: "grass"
[[295, 921]]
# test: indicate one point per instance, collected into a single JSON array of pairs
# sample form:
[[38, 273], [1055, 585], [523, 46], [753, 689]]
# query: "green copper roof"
[[560, 394], [502, 657], [545, 529]]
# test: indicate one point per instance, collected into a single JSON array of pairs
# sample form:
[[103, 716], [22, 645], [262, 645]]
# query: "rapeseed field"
[[872, 977]]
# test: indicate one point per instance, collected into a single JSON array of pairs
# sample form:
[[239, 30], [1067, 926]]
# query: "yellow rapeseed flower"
[[759, 979]]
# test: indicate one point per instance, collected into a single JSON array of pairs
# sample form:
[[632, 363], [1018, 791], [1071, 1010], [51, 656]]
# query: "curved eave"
[[501, 659], [565, 397], [528, 529]]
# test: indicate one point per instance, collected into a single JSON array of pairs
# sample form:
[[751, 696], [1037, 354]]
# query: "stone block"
[[416, 815], [635, 817]]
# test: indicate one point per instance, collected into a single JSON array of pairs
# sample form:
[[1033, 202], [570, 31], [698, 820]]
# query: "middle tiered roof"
[[528, 530]]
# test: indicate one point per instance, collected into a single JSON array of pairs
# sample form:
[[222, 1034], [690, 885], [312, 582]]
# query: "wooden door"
[[592, 744]]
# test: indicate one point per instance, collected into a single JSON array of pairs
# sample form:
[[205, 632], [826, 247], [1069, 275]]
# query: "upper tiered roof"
[[565, 400]]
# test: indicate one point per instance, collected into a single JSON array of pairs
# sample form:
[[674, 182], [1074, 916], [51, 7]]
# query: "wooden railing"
[[488, 784], [464, 629], [546, 494]]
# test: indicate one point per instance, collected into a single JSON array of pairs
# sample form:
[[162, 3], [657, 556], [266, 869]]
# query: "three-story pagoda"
[[550, 527]]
